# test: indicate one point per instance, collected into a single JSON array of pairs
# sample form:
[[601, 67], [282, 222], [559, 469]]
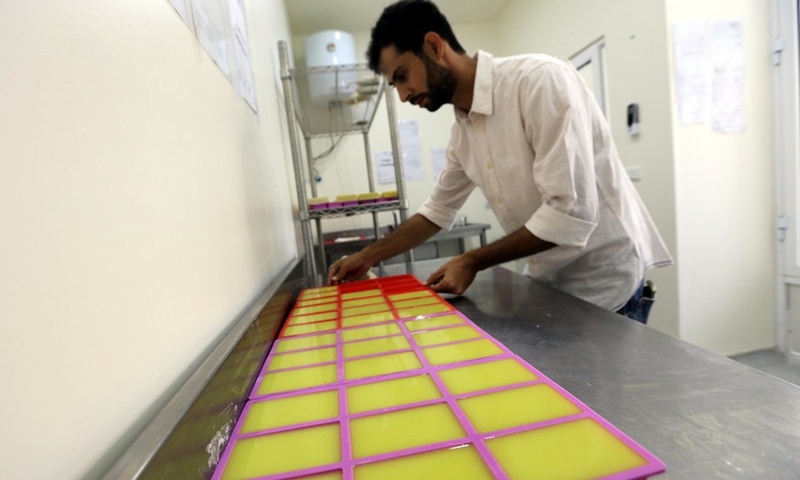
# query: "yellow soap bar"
[[367, 319], [389, 194], [577, 449], [284, 452], [433, 322], [326, 307], [364, 333], [377, 307], [317, 200], [383, 365], [347, 198], [462, 462], [282, 412], [309, 328], [425, 310], [415, 302], [315, 301], [416, 294], [319, 292], [391, 393], [290, 380], [445, 335], [483, 376], [378, 345], [460, 352], [516, 407], [361, 294], [401, 429], [361, 302], [290, 344], [297, 320], [369, 196], [299, 359]]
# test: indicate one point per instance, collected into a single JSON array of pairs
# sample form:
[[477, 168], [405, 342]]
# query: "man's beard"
[[441, 84]]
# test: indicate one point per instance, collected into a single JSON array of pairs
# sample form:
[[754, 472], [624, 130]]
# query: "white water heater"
[[331, 48]]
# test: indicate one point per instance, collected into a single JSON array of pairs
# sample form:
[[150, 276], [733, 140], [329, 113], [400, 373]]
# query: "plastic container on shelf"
[[318, 203], [347, 200], [325, 49], [388, 196], [367, 198]]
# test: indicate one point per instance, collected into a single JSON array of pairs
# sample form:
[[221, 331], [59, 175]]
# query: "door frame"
[[592, 56], [786, 147]]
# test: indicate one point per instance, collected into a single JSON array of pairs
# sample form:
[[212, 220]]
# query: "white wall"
[[143, 207], [725, 201]]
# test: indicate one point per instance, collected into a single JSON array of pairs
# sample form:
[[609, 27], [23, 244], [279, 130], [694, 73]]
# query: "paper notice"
[[727, 58], [411, 148], [209, 26], [242, 63], [384, 163], [439, 160], [182, 8], [692, 71]]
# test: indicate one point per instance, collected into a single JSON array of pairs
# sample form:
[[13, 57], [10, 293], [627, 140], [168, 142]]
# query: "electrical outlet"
[[634, 173]]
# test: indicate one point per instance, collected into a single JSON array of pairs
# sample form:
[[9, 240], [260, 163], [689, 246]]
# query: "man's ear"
[[433, 45]]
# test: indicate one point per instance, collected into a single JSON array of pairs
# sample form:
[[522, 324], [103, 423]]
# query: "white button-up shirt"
[[538, 146]]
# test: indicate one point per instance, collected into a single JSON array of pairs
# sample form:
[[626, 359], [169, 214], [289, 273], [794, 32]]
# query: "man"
[[530, 135]]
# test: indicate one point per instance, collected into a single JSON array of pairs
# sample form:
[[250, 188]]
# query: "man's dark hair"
[[404, 25]]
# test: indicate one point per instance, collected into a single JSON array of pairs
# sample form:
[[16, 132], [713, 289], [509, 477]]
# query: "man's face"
[[419, 80]]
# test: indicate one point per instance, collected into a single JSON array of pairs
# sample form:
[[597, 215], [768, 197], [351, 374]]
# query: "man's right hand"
[[411, 233], [348, 269]]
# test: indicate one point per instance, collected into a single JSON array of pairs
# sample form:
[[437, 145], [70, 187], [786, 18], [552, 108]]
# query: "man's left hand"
[[454, 276]]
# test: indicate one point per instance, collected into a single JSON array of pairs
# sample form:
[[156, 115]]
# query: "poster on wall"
[[209, 25], [710, 73], [727, 85], [242, 62], [439, 160], [411, 149], [184, 10], [384, 161], [692, 72]]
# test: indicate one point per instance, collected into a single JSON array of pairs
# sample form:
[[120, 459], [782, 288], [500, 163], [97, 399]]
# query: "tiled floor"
[[771, 362]]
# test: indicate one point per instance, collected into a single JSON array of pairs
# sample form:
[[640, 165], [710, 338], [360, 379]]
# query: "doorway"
[[589, 63], [786, 102]]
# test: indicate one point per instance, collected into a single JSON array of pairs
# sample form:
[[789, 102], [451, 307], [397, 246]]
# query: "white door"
[[589, 63], [786, 101]]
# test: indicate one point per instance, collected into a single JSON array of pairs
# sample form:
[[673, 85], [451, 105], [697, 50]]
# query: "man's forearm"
[[408, 235], [521, 243]]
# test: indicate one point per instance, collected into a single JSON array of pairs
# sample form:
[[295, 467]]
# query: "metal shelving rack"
[[342, 111]]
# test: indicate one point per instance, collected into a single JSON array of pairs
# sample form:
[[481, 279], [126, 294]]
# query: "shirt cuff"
[[440, 215], [557, 227]]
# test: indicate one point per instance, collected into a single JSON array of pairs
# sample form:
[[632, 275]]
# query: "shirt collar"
[[482, 92]]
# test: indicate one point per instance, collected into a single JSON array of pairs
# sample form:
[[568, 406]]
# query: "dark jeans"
[[638, 307]]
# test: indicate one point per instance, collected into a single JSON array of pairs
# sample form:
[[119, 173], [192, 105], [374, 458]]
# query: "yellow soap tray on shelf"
[[366, 198], [318, 203]]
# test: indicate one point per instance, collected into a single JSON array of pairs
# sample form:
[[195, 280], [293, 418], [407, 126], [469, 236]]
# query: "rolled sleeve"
[[557, 227], [437, 213]]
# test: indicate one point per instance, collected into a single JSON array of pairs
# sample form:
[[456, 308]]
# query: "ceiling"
[[309, 16]]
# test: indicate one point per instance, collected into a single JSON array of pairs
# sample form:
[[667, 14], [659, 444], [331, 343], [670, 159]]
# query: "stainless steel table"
[[704, 415]]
